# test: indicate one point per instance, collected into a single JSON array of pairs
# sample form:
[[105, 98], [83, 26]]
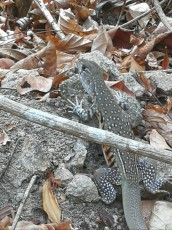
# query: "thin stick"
[[140, 16], [26, 194], [8, 163]]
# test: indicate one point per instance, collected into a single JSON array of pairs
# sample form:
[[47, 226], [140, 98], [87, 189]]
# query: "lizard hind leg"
[[148, 175], [105, 179]]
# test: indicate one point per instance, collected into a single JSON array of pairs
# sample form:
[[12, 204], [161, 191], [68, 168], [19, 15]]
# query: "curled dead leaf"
[[50, 205]]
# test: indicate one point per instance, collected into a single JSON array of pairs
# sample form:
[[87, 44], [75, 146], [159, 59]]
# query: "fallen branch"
[[83, 131], [50, 19]]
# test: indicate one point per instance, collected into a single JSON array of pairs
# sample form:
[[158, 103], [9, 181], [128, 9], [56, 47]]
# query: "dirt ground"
[[51, 148], [37, 150]]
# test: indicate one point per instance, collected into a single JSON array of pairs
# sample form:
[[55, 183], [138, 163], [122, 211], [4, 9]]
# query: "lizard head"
[[89, 73]]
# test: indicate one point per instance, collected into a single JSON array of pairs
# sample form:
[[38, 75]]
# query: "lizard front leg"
[[83, 114], [148, 174], [105, 178]]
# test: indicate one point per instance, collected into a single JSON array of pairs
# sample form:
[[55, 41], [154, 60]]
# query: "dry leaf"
[[166, 61], [50, 60], [50, 204], [6, 63], [71, 43], [146, 83], [81, 12], [151, 60], [29, 84], [59, 79], [157, 141], [9, 127], [135, 65], [68, 23], [4, 138], [138, 9], [33, 61], [6, 3], [120, 38], [102, 42], [4, 223], [64, 59], [119, 85], [161, 217]]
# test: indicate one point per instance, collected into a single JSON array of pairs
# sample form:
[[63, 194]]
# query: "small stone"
[[64, 174], [106, 228], [80, 154], [119, 227], [82, 188]]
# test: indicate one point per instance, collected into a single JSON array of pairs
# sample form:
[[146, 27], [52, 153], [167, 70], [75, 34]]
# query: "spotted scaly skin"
[[115, 120]]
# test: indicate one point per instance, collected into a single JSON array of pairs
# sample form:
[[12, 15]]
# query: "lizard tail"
[[131, 205]]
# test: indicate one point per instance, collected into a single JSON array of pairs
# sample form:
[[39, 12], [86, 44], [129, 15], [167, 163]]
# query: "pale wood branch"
[[49, 18], [83, 131]]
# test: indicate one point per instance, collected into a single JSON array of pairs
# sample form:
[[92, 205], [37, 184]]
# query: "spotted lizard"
[[130, 168]]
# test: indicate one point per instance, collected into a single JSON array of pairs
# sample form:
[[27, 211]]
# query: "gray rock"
[[82, 188], [64, 174], [104, 62], [30, 161], [78, 155], [161, 79]]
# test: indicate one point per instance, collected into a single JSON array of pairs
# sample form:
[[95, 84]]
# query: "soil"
[[54, 147]]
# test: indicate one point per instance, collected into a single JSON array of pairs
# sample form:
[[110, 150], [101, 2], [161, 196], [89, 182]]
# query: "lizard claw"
[[77, 109]]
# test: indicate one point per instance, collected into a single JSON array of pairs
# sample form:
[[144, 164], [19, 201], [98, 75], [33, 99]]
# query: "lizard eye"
[[88, 82], [84, 67]]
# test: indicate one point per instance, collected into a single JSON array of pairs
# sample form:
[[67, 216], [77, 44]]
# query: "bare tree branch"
[[83, 131], [49, 18]]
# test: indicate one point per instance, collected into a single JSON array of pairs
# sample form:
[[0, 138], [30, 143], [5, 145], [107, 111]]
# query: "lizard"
[[130, 169]]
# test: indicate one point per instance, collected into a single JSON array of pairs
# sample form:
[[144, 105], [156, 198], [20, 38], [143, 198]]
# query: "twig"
[[140, 16], [26, 194], [122, 10], [161, 15], [83, 131], [49, 18], [3, 172], [6, 88]]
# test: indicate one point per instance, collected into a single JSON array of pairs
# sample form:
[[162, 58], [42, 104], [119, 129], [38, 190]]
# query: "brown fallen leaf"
[[119, 85], [9, 127], [50, 61], [120, 38], [6, 63], [157, 141], [103, 41], [5, 222], [71, 43], [32, 61], [146, 83], [166, 61], [50, 205], [59, 79], [29, 84]]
